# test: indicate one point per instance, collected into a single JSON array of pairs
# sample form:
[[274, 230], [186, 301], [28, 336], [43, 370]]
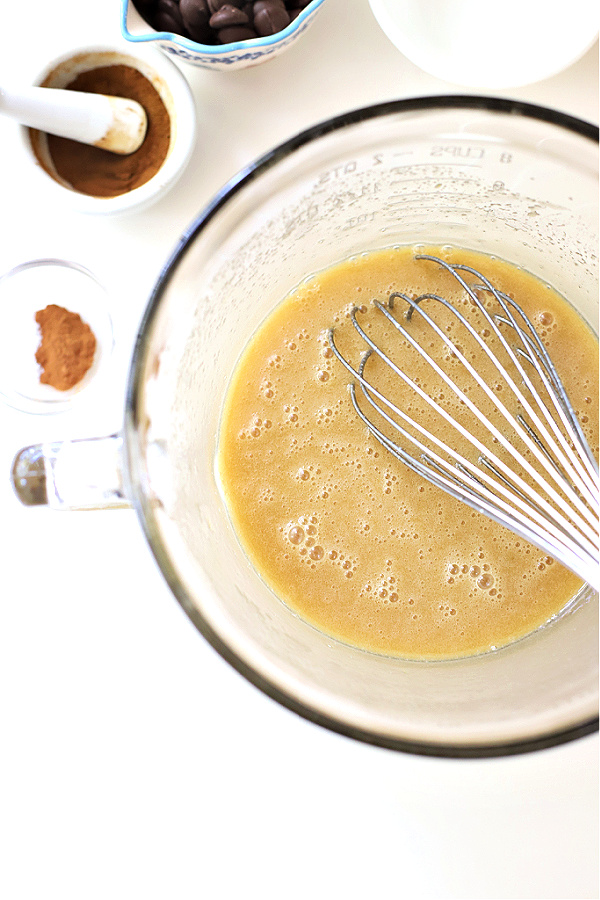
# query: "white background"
[[134, 763]]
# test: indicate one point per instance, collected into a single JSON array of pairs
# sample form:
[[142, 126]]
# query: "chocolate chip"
[[215, 5], [235, 34], [270, 17], [168, 18], [195, 15], [228, 16]]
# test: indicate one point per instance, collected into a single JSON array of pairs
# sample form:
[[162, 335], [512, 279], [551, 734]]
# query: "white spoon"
[[112, 123]]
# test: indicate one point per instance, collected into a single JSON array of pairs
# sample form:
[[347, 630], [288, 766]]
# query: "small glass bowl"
[[26, 289]]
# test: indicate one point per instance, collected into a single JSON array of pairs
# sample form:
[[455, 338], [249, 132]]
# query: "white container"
[[478, 45]]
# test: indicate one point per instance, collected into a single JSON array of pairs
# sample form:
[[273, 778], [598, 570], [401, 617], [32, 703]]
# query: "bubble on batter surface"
[[296, 534], [486, 581]]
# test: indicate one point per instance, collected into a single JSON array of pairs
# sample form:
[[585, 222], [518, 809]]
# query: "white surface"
[[134, 763], [517, 42]]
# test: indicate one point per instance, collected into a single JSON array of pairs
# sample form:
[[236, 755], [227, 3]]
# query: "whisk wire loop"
[[526, 511], [506, 304], [438, 472], [585, 464], [560, 514], [564, 503]]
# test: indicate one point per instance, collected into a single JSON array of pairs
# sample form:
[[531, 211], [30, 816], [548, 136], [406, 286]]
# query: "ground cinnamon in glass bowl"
[[67, 347], [56, 341]]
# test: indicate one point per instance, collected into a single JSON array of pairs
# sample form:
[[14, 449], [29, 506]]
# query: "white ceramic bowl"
[[175, 94], [224, 57], [469, 43]]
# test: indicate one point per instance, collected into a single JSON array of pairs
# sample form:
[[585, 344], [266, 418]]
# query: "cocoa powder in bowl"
[[100, 173]]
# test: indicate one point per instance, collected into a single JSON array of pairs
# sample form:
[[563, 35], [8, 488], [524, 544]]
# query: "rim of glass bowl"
[[134, 456]]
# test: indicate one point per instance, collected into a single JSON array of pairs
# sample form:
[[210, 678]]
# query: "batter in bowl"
[[353, 541]]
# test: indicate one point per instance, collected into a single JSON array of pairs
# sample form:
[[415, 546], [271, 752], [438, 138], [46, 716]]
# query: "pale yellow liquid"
[[346, 535]]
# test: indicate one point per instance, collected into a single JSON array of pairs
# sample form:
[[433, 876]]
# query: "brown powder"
[[67, 348], [100, 173]]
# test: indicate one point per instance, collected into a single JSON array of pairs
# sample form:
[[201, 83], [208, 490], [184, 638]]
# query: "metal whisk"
[[525, 463]]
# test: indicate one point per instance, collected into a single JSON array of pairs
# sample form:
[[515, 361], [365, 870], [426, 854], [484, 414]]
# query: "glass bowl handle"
[[65, 475]]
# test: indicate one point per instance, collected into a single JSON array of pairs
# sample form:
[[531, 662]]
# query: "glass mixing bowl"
[[492, 175]]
